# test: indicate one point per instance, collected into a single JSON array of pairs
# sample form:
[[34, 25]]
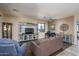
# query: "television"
[[29, 30]]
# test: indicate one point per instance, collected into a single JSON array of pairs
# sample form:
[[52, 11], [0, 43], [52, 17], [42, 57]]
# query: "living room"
[[36, 24]]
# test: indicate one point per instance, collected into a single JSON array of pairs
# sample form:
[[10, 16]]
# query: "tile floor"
[[70, 51]]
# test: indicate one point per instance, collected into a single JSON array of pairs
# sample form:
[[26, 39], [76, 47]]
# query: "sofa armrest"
[[22, 49], [36, 45]]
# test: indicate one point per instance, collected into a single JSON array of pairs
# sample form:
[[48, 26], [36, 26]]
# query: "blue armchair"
[[11, 48]]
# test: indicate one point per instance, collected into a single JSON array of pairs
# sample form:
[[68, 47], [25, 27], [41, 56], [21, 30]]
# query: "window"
[[41, 27]]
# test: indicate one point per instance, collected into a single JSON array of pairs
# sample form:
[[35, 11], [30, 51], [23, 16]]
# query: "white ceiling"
[[39, 10]]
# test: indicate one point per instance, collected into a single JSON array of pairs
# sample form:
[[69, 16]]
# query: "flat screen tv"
[[29, 31]]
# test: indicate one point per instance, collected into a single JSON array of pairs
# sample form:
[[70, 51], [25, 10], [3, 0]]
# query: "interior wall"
[[1, 20], [68, 20], [15, 29]]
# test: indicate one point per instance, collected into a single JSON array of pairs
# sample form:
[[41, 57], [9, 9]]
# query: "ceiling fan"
[[48, 18]]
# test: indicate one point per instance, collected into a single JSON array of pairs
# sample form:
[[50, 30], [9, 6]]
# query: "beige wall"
[[15, 20], [15, 28], [67, 20], [1, 20], [72, 22]]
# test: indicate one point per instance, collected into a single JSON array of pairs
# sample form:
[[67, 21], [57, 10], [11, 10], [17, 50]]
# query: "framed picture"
[[52, 27]]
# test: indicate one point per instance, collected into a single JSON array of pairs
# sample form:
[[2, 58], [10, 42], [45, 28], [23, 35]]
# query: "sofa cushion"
[[7, 49]]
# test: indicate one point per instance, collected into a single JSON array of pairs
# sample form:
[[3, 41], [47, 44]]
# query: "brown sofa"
[[46, 46]]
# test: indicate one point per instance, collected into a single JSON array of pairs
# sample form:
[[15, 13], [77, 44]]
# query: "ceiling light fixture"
[[49, 18]]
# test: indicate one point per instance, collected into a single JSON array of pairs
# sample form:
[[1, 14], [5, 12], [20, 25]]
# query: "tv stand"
[[28, 36]]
